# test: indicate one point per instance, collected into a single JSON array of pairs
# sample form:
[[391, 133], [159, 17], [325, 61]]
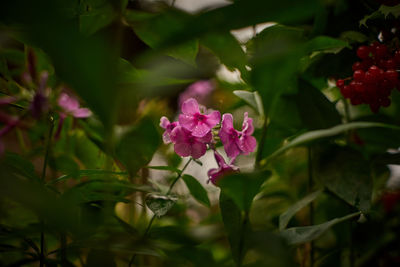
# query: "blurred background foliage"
[[319, 191]]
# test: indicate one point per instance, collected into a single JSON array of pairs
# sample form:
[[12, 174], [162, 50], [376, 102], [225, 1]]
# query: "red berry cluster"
[[373, 78]]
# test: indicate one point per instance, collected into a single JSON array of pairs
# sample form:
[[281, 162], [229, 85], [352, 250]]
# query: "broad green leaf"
[[346, 173], [232, 219], [136, 146], [160, 204], [315, 110], [241, 14], [251, 98], [353, 37], [242, 188], [285, 217], [318, 134], [196, 189], [228, 50], [87, 173], [300, 235], [326, 44], [154, 29], [95, 15]]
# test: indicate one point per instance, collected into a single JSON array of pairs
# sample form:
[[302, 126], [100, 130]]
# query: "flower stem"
[[242, 236], [46, 158], [154, 216]]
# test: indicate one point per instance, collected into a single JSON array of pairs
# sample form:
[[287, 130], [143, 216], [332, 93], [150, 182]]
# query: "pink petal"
[[190, 107], [164, 122], [227, 122], [206, 138], [179, 135], [166, 138], [183, 149], [232, 149], [201, 129], [224, 136], [187, 121], [247, 126], [218, 157], [81, 113], [247, 144], [213, 119], [198, 150], [7, 100], [68, 103]]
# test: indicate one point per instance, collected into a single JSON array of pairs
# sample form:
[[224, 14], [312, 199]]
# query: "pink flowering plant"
[[195, 132]]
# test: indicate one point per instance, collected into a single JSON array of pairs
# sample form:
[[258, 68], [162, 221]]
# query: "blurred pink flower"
[[168, 126], [186, 144], [236, 142], [223, 168], [70, 106], [199, 90], [7, 100], [199, 124]]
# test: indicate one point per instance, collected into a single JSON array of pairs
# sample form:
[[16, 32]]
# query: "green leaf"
[[196, 189], [86, 173], [318, 134], [346, 173], [228, 50], [136, 146], [326, 44], [285, 217], [353, 37], [20, 166], [315, 110], [95, 15], [300, 235], [251, 98], [242, 188], [393, 10], [165, 168], [159, 204], [154, 29], [232, 218]]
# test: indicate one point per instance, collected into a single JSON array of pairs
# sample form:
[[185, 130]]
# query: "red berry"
[[374, 107], [376, 73], [346, 91], [355, 101], [359, 87], [359, 75], [391, 76], [340, 83], [390, 64], [357, 66], [366, 63], [363, 52], [381, 51]]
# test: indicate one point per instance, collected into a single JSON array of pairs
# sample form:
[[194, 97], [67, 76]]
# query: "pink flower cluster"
[[192, 134]]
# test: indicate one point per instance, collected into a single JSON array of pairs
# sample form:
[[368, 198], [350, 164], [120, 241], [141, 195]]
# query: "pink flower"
[[186, 144], [168, 126], [236, 142], [70, 106], [222, 170], [199, 124], [199, 90]]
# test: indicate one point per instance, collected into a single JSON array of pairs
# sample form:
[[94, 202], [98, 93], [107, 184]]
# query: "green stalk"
[[262, 142], [46, 159], [154, 216]]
